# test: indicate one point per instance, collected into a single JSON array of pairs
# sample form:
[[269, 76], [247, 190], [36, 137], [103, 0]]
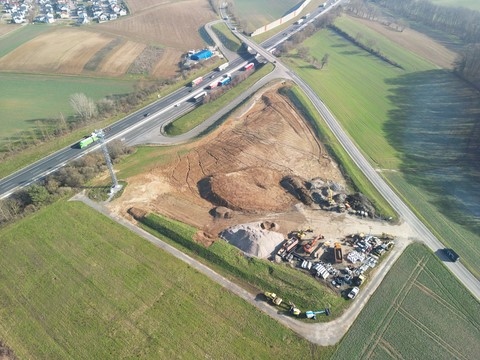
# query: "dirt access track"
[[240, 166]]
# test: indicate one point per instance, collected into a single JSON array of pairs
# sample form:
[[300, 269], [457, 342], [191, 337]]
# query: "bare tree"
[[324, 60], [83, 107]]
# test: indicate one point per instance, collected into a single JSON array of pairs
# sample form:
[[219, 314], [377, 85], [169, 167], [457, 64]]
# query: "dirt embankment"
[[239, 166]]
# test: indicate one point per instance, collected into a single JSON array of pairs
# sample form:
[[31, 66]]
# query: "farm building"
[[202, 55]]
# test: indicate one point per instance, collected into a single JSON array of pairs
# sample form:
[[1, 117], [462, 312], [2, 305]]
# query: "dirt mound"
[[237, 166], [138, 214], [250, 190], [252, 239], [297, 187]]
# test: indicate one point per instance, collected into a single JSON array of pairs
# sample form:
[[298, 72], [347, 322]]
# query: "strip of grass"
[[226, 36], [86, 288], [420, 308], [20, 36], [290, 284], [194, 118], [349, 169]]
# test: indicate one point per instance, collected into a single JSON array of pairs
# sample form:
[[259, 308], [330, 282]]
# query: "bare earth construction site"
[[234, 174]]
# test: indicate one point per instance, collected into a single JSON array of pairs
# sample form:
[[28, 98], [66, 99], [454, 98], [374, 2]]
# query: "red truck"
[[249, 66]]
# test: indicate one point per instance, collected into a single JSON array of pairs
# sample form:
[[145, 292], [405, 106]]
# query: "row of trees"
[[59, 184], [462, 22], [365, 10], [300, 36], [468, 64]]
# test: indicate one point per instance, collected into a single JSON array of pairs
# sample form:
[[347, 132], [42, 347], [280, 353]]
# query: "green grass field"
[[402, 121], [86, 288], [27, 98], [261, 12], [420, 311]]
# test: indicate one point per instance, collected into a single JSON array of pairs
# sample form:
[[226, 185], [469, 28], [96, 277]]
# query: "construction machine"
[[293, 309], [310, 246], [273, 297], [313, 314]]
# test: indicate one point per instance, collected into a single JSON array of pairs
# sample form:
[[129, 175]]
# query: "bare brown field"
[[169, 23], [416, 42], [167, 64], [62, 50], [172, 25], [119, 60]]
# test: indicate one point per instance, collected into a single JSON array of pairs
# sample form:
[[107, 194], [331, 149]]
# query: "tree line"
[[461, 22], [59, 184]]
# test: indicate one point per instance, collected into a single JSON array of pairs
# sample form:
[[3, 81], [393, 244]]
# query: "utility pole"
[[115, 186]]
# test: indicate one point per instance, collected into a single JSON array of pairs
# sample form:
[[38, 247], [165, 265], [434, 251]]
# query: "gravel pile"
[[252, 239]]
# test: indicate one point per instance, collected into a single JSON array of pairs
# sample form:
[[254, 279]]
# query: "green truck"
[[87, 141]]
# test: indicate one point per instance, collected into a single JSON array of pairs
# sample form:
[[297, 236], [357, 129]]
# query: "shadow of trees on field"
[[436, 127]]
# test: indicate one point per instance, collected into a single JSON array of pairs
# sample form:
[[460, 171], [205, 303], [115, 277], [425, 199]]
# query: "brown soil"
[[120, 59], [240, 165], [63, 50], [416, 42], [171, 23]]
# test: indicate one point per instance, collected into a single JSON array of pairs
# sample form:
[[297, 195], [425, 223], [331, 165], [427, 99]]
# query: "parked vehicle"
[[353, 293]]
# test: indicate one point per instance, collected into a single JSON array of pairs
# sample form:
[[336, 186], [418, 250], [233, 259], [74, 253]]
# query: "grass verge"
[[86, 288], [350, 171], [203, 112], [291, 284], [226, 36], [420, 308]]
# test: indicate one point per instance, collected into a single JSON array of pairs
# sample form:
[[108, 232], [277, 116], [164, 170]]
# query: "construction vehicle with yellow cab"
[[294, 310], [273, 297]]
